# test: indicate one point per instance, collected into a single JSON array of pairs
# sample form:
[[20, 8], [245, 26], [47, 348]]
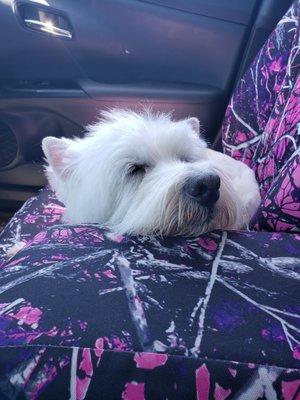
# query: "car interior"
[[177, 55], [88, 313]]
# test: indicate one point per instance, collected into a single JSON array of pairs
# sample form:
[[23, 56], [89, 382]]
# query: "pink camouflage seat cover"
[[262, 126], [85, 314]]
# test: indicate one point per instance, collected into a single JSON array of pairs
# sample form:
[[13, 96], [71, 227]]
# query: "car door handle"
[[44, 20], [48, 27]]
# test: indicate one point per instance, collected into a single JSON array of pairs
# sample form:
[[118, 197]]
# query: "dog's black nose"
[[204, 189]]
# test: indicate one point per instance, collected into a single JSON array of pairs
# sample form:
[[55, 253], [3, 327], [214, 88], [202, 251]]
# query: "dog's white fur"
[[96, 178]]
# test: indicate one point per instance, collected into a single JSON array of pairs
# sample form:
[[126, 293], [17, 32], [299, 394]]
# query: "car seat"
[[85, 314]]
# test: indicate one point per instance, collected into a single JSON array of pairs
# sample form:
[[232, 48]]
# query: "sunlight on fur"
[[145, 173]]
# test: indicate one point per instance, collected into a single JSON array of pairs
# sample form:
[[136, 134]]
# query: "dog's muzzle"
[[205, 189]]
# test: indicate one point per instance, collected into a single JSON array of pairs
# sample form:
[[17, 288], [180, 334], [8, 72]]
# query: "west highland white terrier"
[[144, 173]]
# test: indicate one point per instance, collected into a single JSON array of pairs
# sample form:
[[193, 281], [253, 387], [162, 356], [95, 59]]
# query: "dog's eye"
[[137, 169], [185, 159]]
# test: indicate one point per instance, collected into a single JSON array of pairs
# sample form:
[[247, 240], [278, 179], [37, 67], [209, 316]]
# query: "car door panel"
[[129, 41]]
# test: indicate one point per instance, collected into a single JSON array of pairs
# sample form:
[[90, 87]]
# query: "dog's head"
[[147, 174]]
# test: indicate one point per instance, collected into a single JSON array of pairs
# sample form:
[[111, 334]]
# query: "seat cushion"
[[262, 126], [91, 315]]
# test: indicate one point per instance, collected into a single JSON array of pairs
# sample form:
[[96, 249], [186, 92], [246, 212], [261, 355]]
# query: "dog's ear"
[[57, 154], [194, 124]]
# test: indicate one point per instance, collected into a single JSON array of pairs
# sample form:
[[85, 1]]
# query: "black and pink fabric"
[[262, 126], [85, 314]]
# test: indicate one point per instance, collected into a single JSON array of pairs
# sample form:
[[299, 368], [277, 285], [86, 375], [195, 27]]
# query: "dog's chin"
[[203, 221], [227, 214], [188, 219]]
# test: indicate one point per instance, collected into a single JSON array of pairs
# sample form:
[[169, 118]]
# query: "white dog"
[[143, 173]]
